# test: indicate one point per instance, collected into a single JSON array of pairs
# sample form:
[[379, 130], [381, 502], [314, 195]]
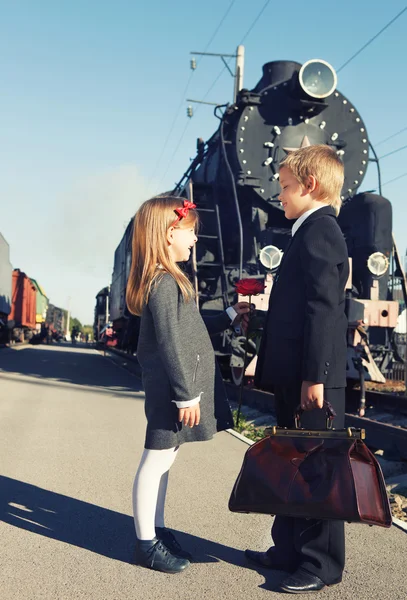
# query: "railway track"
[[385, 421]]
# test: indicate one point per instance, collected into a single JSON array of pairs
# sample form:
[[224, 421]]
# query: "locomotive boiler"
[[234, 181]]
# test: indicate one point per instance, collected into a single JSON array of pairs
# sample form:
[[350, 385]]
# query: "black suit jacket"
[[304, 338]]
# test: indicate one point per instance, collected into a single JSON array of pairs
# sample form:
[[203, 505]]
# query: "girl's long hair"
[[150, 254]]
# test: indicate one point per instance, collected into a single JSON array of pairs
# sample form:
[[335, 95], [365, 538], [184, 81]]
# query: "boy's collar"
[[307, 214]]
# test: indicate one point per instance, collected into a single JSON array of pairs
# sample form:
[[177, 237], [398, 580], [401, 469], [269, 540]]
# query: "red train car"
[[23, 306]]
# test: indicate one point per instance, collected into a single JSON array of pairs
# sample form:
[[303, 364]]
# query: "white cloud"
[[95, 213], [87, 225]]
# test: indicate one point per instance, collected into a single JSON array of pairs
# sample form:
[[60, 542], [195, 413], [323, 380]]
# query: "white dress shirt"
[[303, 217]]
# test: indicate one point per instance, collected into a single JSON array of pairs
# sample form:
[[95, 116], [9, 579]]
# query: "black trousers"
[[318, 546]]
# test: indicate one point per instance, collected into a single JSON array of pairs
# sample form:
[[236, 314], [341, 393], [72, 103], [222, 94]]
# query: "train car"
[[41, 305], [6, 271], [119, 315], [23, 306], [101, 312], [56, 320], [125, 325]]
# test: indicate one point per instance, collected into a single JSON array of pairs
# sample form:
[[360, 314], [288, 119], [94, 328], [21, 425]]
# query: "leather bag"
[[325, 474]]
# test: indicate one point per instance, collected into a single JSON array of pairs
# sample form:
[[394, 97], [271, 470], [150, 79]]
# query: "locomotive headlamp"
[[270, 257], [378, 263], [317, 78]]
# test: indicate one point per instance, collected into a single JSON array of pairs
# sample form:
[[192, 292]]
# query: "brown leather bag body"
[[313, 474]]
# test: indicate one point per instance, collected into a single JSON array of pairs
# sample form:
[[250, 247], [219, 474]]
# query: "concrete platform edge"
[[400, 524], [240, 437]]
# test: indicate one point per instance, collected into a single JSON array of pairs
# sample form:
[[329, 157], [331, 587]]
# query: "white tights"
[[149, 490]]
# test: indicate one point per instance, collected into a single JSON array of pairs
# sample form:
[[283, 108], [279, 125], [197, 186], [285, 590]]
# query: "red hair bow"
[[183, 212]]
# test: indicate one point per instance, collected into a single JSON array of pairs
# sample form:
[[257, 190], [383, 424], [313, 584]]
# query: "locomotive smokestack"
[[276, 72], [315, 79]]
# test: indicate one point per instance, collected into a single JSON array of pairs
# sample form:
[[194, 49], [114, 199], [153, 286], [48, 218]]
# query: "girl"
[[185, 400]]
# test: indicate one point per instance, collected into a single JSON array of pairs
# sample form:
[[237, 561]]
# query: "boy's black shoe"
[[302, 582], [166, 536], [154, 554], [269, 560]]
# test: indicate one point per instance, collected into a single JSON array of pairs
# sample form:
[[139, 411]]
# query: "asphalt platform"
[[71, 435]]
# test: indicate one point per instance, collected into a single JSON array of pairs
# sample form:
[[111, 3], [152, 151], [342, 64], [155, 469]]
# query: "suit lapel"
[[288, 248], [324, 211]]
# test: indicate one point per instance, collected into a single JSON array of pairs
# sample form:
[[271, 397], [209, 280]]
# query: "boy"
[[302, 356]]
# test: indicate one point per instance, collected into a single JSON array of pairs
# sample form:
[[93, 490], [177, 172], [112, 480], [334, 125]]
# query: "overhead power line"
[[390, 137], [372, 39], [181, 103], [163, 176], [249, 30], [395, 179], [220, 24], [167, 139], [393, 152]]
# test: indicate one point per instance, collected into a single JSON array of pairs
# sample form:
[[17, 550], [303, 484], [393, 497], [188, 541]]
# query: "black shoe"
[[166, 536], [155, 555], [302, 582], [269, 560]]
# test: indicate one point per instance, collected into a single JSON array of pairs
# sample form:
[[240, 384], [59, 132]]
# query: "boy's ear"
[[311, 184]]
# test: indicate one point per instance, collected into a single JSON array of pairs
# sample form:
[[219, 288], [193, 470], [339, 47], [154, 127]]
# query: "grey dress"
[[178, 363]]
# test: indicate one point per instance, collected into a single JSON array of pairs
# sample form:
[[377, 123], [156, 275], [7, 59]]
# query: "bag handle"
[[330, 415]]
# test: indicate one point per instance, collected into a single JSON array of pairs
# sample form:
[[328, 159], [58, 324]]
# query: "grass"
[[248, 429]]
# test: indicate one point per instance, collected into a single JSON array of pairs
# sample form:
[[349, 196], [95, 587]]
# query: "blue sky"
[[89, 90]]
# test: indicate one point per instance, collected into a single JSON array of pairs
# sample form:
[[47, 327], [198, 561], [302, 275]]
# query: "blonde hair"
[[150, 255], [323, 163]]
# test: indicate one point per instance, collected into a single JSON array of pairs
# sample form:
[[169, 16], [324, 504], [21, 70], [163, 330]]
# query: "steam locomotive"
[[233, 180]]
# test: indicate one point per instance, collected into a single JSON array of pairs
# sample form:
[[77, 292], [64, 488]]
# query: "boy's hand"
[[243, 310], [190, 416], [312, 395]]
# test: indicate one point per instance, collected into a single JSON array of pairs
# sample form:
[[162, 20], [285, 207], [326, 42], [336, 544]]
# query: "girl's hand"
[[190, 416], [243, 311]]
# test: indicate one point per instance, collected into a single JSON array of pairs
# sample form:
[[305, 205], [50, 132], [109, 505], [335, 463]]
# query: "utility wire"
[[372, 39], [393, 152], [255, 21], [221, 72], [214, 82], [390, 137], [181, 103], [174, 153], [167, 139], [241, 42], [395, 179], [220, 24], [185, 130]]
